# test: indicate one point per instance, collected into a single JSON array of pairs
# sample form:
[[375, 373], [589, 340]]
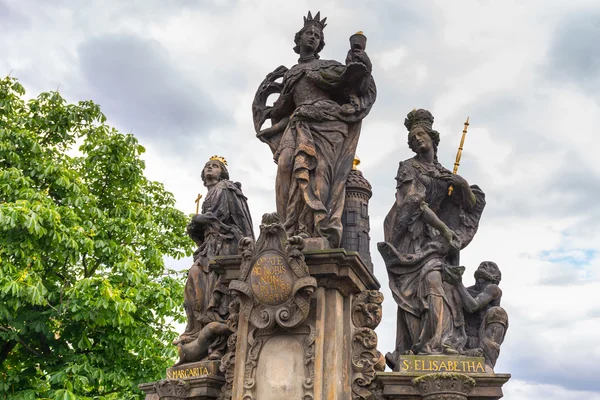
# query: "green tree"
[[86, 303]]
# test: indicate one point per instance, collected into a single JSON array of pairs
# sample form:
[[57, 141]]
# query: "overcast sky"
[[181, 76]]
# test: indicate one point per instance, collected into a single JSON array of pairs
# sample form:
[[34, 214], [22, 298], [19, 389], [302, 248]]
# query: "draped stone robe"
[[224, 220], [325, 102]]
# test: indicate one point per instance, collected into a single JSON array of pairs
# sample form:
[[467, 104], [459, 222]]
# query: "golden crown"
[[219, 158]]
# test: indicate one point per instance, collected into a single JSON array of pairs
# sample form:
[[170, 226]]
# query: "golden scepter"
[[459, 154], [197, 201]]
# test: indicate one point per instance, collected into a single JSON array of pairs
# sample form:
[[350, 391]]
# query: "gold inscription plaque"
[[429, 364], [271, 279], [187, 373]]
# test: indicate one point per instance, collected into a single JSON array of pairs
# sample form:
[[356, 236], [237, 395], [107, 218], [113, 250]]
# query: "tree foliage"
[[86, 304]]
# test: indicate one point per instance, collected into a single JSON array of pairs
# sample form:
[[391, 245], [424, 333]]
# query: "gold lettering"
[[480, 365], [427, 366], [471, 366], [436, 366], [406, 365], [418, 366], [443, 366]]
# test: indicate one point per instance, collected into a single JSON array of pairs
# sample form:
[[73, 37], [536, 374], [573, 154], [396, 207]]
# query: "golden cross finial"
[[197, 201]]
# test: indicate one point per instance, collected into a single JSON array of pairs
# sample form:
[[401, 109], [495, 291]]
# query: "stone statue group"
[[314, 132]]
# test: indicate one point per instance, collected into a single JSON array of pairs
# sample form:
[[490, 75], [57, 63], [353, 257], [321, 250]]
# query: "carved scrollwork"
[[172, 389], [228, 360], [366, 359], [366, 309], [444, 386], [274, 285]]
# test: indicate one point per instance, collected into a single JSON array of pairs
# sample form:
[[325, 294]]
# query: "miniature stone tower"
[[356, 215]]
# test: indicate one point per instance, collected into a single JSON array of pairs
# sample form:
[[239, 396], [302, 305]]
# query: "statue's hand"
[[266, 132], [452, 238], [200, 219], [455, 180], [362, 57], [348, 109], [453, 274]]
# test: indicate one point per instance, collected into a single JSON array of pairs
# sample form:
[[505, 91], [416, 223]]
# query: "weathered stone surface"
[[271, 279], [339, 357], [444, 386], [400, 386], [429, 364], [334, 268], [280, 370], [206, 387]]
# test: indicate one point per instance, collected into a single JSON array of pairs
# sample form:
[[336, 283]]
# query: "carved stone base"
[[193, 381], [331, 355], [440, 386], [312, 244]]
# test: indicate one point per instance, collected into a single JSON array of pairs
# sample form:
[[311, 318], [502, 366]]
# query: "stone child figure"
[[424, 231], [315, 128], [217, 230], [486, 321]]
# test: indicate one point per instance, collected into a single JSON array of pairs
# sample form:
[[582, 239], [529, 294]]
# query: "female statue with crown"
[[315, 128], [217, 230], [424, 231]]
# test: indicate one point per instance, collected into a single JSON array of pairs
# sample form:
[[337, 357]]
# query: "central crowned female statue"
[[315, 128]]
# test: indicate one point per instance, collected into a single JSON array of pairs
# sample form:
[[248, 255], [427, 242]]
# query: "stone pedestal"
[[331, 353], [192, 381], [440, 386]]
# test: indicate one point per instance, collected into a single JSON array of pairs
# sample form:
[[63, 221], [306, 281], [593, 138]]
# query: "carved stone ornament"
[[444, 386], [366, 359], [274, 285], [274, 289], [171, 389], [228, 360]]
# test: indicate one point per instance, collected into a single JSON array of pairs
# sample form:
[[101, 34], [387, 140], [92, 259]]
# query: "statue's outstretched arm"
[[472, 304], [433, 220], [279, 127]]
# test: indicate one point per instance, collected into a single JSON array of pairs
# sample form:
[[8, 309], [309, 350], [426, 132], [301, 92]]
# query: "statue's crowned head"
[[421, 119], [218, 161], [489, 271], [311, 23]]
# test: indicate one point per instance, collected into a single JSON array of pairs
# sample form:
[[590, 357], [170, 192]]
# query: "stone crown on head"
[[420, 117], [316, 21]]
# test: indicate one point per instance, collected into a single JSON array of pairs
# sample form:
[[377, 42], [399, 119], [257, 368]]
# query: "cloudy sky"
[[181, 76]]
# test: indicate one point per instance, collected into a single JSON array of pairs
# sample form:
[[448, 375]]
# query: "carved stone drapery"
[[444, 386], [366, 359]]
